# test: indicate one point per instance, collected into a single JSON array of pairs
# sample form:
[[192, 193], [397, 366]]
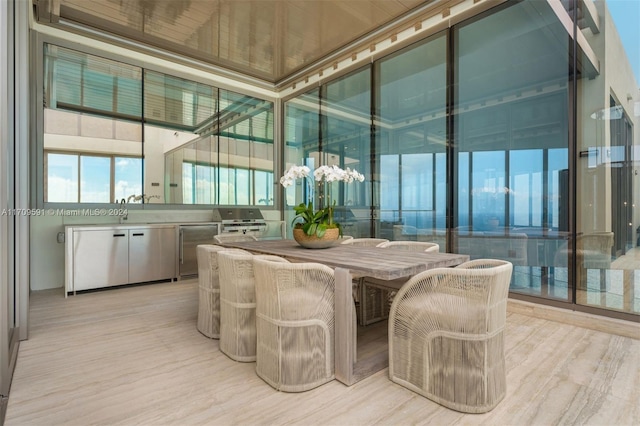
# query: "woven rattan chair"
[[295, 324], [446, 335], [233, 238], [208, 322], [416, 246], [366, 242], [237, 306]]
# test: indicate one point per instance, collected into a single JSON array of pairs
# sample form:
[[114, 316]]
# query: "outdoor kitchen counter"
[[98, 256]]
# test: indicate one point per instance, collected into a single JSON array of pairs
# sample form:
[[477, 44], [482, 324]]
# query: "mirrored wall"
[[118, 133]]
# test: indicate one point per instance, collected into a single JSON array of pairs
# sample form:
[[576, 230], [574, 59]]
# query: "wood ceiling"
[[266, 39]]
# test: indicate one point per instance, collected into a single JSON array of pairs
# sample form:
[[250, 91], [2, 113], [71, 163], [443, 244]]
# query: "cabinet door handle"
[[138, 234], [118, 235]]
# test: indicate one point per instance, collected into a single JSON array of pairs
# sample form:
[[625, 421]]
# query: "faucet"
[[123, 213]]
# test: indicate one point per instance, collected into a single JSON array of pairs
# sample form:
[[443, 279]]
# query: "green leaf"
[[321, 230]]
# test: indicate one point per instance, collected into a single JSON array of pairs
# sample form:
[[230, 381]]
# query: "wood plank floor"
[[133, 356]]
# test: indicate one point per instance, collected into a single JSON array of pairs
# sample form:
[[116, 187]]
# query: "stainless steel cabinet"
[[100, 258], [103, 256], [190, 237], [152, 254]]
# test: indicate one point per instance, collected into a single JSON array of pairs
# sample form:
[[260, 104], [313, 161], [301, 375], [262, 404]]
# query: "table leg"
[[344, 327]]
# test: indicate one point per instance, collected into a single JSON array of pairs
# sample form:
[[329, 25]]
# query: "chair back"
[[236, 277], [233, 238], [414, 246], [365, 242], [207, 258], [293, 291], [471, 298]]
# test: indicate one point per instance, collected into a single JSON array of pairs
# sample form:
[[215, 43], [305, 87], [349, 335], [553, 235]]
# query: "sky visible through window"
[[626, 15]]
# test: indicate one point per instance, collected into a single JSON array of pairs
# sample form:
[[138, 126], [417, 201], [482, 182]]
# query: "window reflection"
[[492, 179], [62, 178], [332, 126], [511, 139], [192, 134], [411, 142]]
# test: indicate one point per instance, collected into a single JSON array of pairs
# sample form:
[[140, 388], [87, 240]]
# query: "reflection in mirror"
[[201, 144], [90, 159], [92, 134], [231, 162]]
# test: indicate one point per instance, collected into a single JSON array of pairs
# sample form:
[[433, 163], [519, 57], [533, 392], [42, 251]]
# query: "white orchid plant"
[[310, 220]]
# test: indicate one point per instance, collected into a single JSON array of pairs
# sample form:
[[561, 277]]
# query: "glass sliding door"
[[332, 126], [301, 145], [511, 139], [474, 148], [607, 244], [346, 142], [411, 140]]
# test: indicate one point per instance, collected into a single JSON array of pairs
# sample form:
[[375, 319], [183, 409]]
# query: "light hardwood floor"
[[133, 356]]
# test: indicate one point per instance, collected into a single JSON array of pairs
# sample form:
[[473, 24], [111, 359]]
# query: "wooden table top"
[[375, 262]]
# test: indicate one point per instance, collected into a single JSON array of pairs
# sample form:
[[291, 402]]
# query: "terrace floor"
[[132, 355]]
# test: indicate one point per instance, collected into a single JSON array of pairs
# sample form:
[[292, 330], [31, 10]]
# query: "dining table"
[[350, 261]]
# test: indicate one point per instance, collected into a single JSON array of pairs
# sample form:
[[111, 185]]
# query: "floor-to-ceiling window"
[[474, 148], [511, 142], [332, 126], [411, 141], [607, 240]]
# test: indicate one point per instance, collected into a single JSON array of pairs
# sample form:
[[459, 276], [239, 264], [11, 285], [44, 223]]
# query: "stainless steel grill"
[[243, 221]]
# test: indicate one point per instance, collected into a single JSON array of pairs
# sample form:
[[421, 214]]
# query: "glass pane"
[[511, 142], [62, 178], [411, 142], [245, 148], [177, 113], [263, 184], [206, 167], [82, 82], [176, 102], [91, 103], [488, 189], [128, 178], [88, 135], [345, 142], [188, 182], [389, 184], [607, 243], [301, 133], [95, 179]]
